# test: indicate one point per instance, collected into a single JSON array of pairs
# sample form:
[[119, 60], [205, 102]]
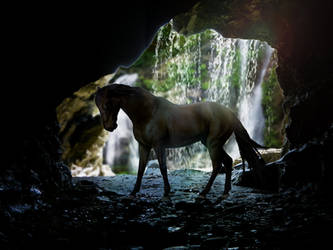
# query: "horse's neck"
[[138, 109]]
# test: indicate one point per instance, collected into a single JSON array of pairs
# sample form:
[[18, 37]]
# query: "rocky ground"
[[98, 214]]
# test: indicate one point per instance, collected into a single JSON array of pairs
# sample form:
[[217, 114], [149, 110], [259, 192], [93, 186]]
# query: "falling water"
[[209, 67], [250, 110], [121, 147]]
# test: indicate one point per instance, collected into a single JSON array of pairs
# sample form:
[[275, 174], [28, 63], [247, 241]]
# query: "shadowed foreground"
[[99, 214]]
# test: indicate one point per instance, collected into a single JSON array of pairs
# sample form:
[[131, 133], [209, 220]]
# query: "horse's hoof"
[[202, 196], [166, 198], [224, 196], [132, 196]]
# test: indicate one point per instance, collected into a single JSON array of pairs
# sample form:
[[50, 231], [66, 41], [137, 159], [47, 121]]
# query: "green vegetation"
[[122, 169], [272, 110]]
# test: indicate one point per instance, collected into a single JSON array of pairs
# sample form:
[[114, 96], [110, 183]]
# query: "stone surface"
[[98, 213]]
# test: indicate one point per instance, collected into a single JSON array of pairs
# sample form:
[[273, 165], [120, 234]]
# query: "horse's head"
[[108, 106]]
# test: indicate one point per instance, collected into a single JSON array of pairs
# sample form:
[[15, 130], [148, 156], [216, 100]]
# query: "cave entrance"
[[184, 69]]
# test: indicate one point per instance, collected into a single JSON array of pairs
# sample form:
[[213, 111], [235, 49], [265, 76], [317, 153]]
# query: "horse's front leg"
[[160, 152], [143, 154]]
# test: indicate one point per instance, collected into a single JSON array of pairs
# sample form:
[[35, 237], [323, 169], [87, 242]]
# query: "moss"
[[122, 169], [272, 110], [262, 31], [235, 76], [146, 60]]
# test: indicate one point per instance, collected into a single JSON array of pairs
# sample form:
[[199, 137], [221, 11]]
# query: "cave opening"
[[238, 73]]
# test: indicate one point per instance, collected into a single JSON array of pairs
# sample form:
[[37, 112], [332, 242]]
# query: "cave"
[[56, 52]]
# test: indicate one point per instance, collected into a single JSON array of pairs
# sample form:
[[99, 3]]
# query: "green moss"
[[145, 60], [235, 76], [205, 85], [122, 169], [272, 111]]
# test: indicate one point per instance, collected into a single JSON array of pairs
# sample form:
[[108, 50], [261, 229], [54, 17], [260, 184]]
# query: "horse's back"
[[211, 111], [185, 124], [221, 120]]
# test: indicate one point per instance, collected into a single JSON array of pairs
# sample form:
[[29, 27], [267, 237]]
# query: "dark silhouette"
[[159, 124]]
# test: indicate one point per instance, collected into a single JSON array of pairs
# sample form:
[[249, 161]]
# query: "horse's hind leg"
[[160, 152], [217, 165], [227, 162]]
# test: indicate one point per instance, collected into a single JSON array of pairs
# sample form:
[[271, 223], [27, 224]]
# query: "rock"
[[81, 131], [269, 155], [176, 247], [272, 173], [216, 243]]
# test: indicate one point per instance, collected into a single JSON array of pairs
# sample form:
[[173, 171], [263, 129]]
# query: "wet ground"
[[98, 214]]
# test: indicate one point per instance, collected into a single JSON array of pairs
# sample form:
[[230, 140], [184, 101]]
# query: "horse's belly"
[[186, 129], [174, 141]]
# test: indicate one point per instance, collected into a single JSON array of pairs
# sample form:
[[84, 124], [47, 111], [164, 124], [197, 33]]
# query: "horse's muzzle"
[[111, 128]]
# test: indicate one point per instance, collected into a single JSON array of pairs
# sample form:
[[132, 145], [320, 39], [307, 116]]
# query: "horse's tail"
[[248, 151]]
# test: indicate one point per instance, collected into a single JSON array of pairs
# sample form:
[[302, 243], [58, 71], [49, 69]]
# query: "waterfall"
[[121, 149], [250, 110], [209, 67]]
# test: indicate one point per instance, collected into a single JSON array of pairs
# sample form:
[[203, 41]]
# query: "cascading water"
[[121, 149], [250, 111], [209, 67]]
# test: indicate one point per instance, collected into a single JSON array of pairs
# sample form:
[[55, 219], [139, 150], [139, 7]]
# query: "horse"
[[159, 124]]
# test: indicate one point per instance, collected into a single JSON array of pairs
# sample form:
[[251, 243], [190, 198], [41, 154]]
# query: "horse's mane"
[[117, 89]]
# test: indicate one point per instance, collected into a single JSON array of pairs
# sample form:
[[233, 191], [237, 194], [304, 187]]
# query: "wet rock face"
[[310, 163], [36, 173]]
